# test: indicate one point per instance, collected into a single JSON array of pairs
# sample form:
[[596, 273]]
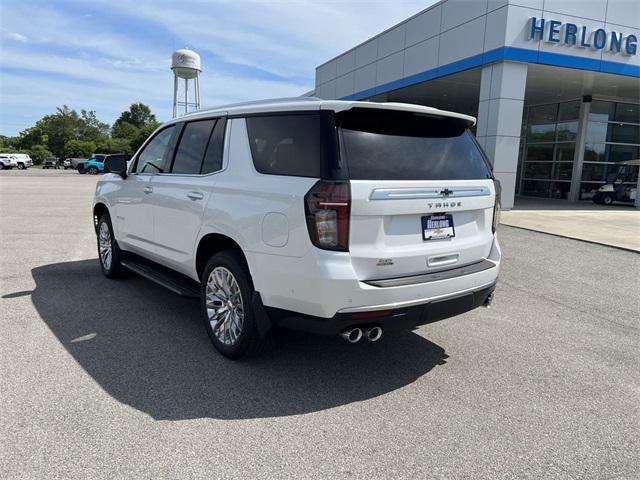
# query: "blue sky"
[[106, 54]]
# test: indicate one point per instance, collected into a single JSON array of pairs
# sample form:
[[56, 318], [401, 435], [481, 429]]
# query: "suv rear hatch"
[[422, 192]]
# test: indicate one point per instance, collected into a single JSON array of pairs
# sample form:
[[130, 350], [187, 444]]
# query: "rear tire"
[[109, 253], [225, 296], [607, 199]]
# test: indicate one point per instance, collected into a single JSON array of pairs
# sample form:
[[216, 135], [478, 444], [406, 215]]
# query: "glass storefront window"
[[539, 152], [565, 152], [627, 112], [594, 152], [538, 170], [567, 132], [620, 153], [624, 133], [569, 111], [597, 132], [543, 114], [563, 171], [601, 111], [548, 147], [593, 171], [542, 133]]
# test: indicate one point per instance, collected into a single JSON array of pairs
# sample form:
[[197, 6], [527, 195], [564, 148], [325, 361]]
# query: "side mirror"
[[117, 165]]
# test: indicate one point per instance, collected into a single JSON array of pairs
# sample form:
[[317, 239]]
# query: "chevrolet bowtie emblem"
[[446, 192]]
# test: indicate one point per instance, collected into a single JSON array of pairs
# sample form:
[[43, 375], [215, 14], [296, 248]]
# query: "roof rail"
[[256, 102]]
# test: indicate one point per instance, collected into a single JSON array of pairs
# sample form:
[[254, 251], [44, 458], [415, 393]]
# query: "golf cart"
[[615, 189]]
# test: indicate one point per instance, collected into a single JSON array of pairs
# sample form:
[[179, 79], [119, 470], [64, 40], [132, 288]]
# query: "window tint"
[[151, 158], [286, 144], [213, 156], [193, 144], [386, 145]]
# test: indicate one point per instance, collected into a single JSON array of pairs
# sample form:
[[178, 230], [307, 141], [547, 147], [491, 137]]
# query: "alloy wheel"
[[105, 247], [225, 309]]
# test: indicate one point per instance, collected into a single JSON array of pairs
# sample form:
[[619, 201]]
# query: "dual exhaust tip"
[[354, 335]]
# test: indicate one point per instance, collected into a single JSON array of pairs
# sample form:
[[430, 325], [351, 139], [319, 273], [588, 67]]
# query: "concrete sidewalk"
[[616, 226]]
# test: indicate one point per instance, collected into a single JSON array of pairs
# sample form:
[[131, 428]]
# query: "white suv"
[[332, 217]]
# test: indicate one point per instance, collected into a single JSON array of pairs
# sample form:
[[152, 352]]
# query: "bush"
[[79, 149], [38, 153]]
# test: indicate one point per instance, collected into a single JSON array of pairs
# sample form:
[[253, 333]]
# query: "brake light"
[[496, 207], [327, 208]]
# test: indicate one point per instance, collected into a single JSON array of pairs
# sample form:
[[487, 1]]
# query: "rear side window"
[[388, 145], [200, 148], [286, 144], [192, 147], [213, 156]]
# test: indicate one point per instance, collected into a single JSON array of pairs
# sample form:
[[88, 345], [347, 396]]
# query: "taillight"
[[327, 206], [496, 207]]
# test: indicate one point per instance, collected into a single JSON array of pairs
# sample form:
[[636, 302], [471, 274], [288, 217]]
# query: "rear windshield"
[[388, 145]]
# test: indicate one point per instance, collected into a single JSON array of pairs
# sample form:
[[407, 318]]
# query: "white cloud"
[[17, 36]]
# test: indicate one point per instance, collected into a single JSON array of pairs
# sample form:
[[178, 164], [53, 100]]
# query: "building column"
[[578, 156], [502, 88]]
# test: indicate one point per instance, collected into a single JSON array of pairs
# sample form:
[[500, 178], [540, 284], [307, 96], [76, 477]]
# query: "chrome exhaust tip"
[[374, 334], [487, 302], [352, 335]]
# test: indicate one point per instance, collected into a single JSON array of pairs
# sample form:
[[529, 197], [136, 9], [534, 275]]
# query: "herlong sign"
[[554, 31]]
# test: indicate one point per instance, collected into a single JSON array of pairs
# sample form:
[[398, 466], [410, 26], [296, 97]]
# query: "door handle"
[[148, 189], [195, 196]]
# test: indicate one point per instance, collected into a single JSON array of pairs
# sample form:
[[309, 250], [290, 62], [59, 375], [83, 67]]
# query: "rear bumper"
[[395, 319], [323, 284]]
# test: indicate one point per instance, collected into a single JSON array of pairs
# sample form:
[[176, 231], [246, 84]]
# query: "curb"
[[593, 242]]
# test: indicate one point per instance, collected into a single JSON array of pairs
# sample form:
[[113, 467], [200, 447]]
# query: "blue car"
[[95, 164]]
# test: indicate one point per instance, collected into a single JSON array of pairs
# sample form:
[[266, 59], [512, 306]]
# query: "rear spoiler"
[[341, 106]]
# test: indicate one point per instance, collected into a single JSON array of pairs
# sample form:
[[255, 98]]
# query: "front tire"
[[93, 171], [109, 253], [80, 169], [607, 199], [21, 166], [225, 297]]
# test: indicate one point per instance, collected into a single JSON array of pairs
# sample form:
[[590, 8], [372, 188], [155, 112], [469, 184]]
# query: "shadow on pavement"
[[147, 348]]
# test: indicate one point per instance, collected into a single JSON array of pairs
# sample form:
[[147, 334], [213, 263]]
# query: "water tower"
[[185, 65]]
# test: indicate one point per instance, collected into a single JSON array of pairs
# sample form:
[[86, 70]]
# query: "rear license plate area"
[[438, 227]]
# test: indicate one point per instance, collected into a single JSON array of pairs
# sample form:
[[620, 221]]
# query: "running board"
[[176, 282]]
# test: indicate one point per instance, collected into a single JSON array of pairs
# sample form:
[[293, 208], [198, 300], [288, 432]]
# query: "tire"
[[21, 166], [1, 166], [80, 169], [607, 199], [93, 171], [111, 268], [230, 267]]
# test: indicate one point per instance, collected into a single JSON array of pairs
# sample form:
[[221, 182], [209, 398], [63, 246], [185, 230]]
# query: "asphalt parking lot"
[[117, 379]]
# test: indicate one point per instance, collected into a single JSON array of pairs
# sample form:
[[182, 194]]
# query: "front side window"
[[286, 144], [151, 158]]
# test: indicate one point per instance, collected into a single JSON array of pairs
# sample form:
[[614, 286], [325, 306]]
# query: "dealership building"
[[554, 84]]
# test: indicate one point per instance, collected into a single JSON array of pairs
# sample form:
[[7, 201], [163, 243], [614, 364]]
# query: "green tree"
[[79, 149], [122, 129], [38, 153], [115, 145], [92, 128], [138, 115]]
